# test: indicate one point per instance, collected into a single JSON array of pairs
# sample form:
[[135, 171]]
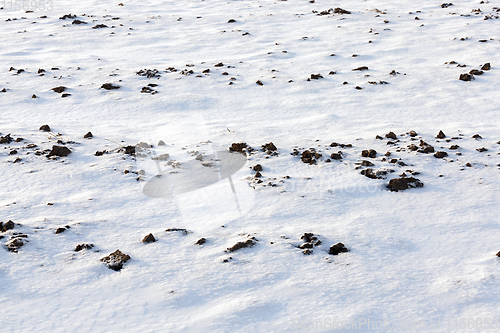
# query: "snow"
[[421, 256]]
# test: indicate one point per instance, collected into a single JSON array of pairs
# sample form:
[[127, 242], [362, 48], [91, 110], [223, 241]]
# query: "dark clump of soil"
[[60, 230], [374, 174], [148, 90], [413, 134], [68, 16], [15, 242], [454, 147], [6, 139], [425, 147], [220, 64], [477, 136], [184, 231], [440, 154], [83, 246], [59, 151], [99, 26], [366, 163], [201, 241], [339, 10], [65, 95], [149, 239], [310, 240], [241, 245], [369, 153], [486, 67], [149, 73], [59, 89], [441, 135], [341, 145], [310, 156], [231, 21], [336, 156], [259, 82], [362, 68], [476, 72], [116, 260], [391, 135], [240, 148], [100, 152], [466, 77], [110, 86], [338, 248], [88, 135], [481, 150], [498, 254], [257, 167], [7, 226], [129, 150], [404, 183], [446, 5], [78, 22], [316, 76]]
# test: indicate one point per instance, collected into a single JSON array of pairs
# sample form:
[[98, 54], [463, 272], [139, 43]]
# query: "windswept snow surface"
[[423, 259]]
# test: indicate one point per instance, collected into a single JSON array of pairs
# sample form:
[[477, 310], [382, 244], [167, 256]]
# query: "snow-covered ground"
[[423, 259]]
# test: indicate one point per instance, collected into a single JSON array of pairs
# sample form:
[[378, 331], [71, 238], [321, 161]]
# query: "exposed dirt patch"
[[116, 260]]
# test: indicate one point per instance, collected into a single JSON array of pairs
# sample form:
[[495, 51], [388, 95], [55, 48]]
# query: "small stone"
[[369, 153], [404, 183], [81, 247], [257, 167], [477, 136], [338, 248], [59, 89], [149, 239], [440, 154], [466, 77], [7, 226], [201, 241], [259, 82], [486, 67], [60, 151], [88, 135], [60, 230], [413, 134], [441, 135], [161, 143], [116, 260], [45, 128], [110, 86], [391, 135]]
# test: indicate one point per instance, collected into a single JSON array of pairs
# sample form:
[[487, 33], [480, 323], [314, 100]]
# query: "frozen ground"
[[420, 259]]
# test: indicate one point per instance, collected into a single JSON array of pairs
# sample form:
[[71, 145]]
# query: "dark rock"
[[338, 248], [149, 239], [477, 136], [59, 89], [391, 135], [83, 246], [404, 183], [369, 153], [99, 26], [441, 135], [476, 72], [308, 237], [7, 226], [374, 174], [466, 77], [78, 22], [316, 76], [45, 128], [241, 245], [15, 242], [239, 147], [341, 11], [33, 96], [257, 167], [88, 135], [231, 21], [110, 86], [498, 254], [259, 82], [446, 5], [413, 134], [60, 230], [454, 147], [412, 147], [440, 154], [336, 156], [129, 150], [101, 152], [307, 251], [258, 175], [67, 16], [362, 68], [309, 157], [201, 241], [306, 246], [60, 151], [65, 95], [366, 163], [481, 150], [220, 64], [116, 260], [6, 139], [486, 67]]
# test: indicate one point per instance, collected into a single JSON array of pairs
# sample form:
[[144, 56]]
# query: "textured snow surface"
[[425, 256]]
